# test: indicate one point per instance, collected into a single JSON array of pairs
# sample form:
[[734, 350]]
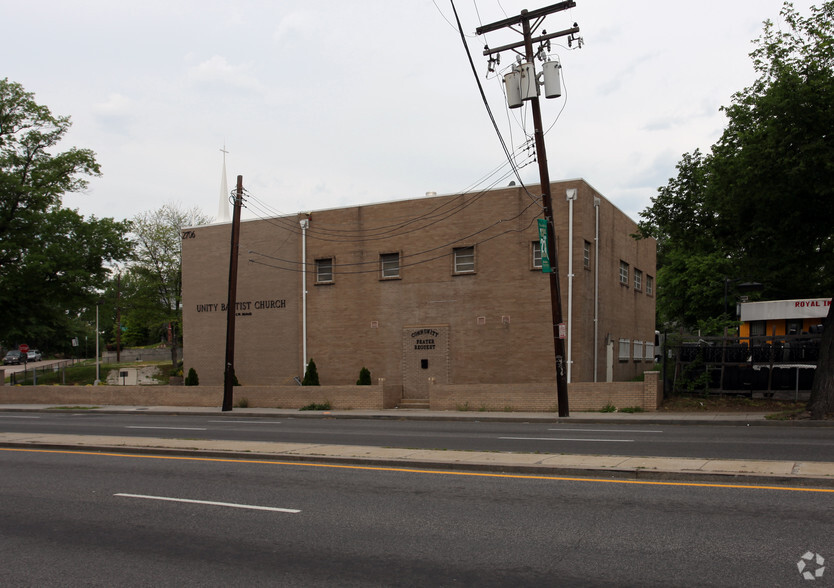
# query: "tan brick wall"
[[491, 397], [586, 396], [340, 397], [498, 319]]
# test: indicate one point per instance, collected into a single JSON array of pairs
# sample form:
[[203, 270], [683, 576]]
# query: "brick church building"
[[445, 287]]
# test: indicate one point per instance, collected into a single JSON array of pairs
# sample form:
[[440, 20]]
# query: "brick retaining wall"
[[492, 397], [340, 397], [582, 396]]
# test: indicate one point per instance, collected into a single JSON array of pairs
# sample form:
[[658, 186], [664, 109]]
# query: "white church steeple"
[[223, 210]]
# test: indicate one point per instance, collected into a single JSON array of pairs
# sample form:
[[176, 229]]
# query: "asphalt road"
[[71, 519], [704, 441]]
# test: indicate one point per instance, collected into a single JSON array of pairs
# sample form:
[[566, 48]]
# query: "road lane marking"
[[438, 472], [210, 503], [232, 422], [18, 417], [565, 439], [603, 431], [170, 428]]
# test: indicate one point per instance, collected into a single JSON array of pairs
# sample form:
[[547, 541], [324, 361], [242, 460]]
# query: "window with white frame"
[[649, 351], [638, 351], [586, 255], [638, 279], [625, 349], [649, 285], [389, 264], [324, 270], [464, 260], [537, 254], [623, 273]]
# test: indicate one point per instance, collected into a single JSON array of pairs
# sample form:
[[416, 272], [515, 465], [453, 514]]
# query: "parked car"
[[14, 356], [34, 355]]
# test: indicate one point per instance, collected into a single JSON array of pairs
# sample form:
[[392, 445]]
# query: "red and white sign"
[[23, 348], [785, 309]]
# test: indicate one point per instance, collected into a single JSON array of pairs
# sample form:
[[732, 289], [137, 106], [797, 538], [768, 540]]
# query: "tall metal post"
[[228, 376]]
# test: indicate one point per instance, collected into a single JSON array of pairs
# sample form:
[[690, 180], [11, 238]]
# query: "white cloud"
[[218, 71]]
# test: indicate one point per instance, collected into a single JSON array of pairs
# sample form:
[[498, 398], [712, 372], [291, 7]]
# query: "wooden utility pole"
[[555, 293], [229, 373]]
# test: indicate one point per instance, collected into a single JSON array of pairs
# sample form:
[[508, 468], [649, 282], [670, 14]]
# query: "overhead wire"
[[484, 98], [424, 220], [323, 232], [375, 263], [427, 221]]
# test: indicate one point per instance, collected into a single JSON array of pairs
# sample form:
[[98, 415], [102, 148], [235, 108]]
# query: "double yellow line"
[[423, 471]]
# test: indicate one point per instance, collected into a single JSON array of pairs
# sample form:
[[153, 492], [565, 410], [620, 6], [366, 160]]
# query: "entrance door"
[[425, 355]]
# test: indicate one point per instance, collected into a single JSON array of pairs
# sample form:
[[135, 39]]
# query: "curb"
[[465, 416], [633, 475]]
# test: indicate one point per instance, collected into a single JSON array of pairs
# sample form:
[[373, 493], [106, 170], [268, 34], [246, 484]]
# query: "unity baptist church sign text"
[[244, 308]]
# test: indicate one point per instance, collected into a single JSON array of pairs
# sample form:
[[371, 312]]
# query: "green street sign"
[[546, 269]]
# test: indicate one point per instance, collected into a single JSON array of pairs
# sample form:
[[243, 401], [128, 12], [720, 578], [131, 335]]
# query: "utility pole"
[[118, 317], [228, 375], [524, 19]]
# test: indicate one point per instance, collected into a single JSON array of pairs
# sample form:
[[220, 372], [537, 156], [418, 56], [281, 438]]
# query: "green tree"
[[311, 375], [154, 297], [53, 261], [758, 207], [192, 379], [364, 377]]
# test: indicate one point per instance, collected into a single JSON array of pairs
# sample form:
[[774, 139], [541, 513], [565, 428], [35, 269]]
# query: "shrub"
[[234, 378], [314, 406], [364, 377], [311, 376], [632, 409], [191, 379]]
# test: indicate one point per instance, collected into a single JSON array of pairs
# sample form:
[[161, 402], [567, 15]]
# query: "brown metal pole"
[[547, 201], [228, 374]]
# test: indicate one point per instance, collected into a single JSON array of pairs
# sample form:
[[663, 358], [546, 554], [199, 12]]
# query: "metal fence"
[[31, 371], [745, 364]]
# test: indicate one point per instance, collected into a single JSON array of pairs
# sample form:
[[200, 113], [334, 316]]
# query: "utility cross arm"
[[564, 33], [525, 15]]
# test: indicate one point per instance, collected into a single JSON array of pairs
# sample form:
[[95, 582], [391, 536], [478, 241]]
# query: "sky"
[[327, 103]]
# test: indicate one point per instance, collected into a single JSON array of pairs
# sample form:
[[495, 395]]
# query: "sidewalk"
[[720, 471]]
